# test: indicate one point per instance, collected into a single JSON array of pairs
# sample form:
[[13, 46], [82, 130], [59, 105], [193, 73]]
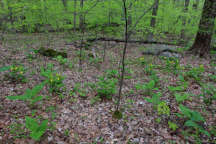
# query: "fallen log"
[[130, 41]]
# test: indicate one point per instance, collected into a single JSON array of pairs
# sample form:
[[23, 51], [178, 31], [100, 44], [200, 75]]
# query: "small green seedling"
[[195, 73], [172, 126], [174, 89], [30, 95], [147, 88], [182, 97], [61, 60], [36, 129], [155, 100], [163, 109], [16, 73], [106, 87]]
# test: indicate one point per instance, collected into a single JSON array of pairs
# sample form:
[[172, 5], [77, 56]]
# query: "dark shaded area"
[[51, 53]]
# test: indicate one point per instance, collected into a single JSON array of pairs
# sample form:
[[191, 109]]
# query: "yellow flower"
[[21, 72], [142, 58], [51, 80]]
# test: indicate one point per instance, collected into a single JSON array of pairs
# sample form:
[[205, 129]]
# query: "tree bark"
[[75, 13], [65, 4], [154, 14], [130, 14], [81, 22], [201, 45], [153, 20], [184, 19], [196, 4]]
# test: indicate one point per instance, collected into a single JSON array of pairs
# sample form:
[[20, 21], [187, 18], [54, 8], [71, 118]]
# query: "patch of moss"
[[51, 53], [117, 115]]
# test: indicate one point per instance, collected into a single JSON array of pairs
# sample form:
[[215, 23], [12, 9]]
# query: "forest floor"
[[76, 116]]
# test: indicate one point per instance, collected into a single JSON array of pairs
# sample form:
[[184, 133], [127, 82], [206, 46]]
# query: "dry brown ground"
[[83, 122]]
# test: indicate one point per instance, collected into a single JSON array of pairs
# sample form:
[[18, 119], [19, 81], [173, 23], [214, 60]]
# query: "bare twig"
[[124, 55]]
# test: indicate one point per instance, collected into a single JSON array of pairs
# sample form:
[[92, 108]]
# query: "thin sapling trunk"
[[117, 114]]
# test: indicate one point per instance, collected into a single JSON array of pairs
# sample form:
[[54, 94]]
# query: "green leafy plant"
[[106, 87], [181, 97], [142, 60], [55, 82], [163, 109], [172, 126], [174, 89], [209, 93], [36, 129], [47, 71], [16, 73], [212, 77], [30, 95], [148, 69], [112, 73], [31, 54], [193, 119], [78, 90], [147, 88], [155, 100], [61, 60], [17, 129], [172, 65], [182, 82], [195, 73], [5, 68], [154, 77], [95, 60], [95, 99]]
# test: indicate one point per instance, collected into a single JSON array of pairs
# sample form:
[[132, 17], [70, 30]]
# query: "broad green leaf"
[[151, 84], [196, 116], [156, 98], [38, 98], [191, 123], [148, 99], [185, 111], [18, 97], [31, 123], [5, 68], [181, 97], [40, 130]]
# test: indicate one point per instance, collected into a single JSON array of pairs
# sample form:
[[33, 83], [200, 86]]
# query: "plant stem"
[[123, 57]]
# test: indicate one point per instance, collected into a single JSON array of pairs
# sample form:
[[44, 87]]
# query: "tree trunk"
[[75, 13], [130, 15], [10, 13], [201, 45], [153, 20], [154, 14], [81, 22], [65, 4], [184, 19], [196, 4]]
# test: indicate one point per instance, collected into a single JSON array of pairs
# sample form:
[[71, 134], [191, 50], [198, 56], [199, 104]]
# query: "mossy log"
[[51, 53]]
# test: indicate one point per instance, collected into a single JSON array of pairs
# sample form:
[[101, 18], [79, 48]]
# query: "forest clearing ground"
[[76, 116]]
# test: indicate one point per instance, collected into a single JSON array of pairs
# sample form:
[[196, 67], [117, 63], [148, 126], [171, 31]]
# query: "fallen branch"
[[129, 41]]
